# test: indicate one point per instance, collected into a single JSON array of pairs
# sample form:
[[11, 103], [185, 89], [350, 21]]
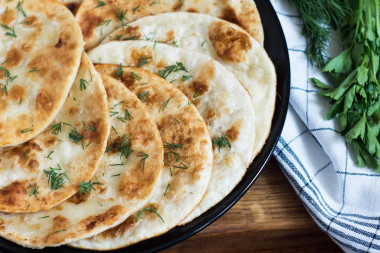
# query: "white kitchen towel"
[[342, 198]]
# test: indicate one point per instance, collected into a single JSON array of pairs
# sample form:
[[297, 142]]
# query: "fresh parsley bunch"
[[355, 76]]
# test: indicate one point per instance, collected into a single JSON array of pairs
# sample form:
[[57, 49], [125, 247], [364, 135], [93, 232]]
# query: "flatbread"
[[126, 184], [223, 41], [98, 20], [223, 102], [39, 59], [26, 168], [187, 169]]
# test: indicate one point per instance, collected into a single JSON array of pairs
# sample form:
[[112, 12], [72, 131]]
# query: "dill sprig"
[[34, 190], [85, 187], [123, 144], [318, 18], [221, 142], [143, 156], [172, 68], [150, 209], [56, 180]]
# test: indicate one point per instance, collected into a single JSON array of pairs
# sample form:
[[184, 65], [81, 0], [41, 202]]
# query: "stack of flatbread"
[[127, 119]]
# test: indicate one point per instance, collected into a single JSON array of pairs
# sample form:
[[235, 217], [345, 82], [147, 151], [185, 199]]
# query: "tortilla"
[[40, 51], [220, 98], [71, 148], [188, 161], [97, 20], [122, 185], [223, 41]]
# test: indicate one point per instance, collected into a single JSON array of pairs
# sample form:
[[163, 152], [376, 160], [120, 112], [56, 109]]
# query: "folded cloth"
[[342, 198]]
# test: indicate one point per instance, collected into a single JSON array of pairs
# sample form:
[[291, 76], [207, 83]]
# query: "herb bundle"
[[354, 73], [318, 18]]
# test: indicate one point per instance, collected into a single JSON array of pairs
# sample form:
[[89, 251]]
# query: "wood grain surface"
[[269, 218]]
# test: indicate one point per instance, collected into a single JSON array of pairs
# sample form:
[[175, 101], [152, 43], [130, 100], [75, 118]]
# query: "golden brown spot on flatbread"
[[59, 43], [229, 44], [127, 79], [211, 114], [13, 57], [93, 129], [233, 132], [200, 87], [16, 92], [78, 198], [60, 222], [44, 102], [39, 62], [132, 186], [30, 20], [228, 160], [23, 153], [192, 10], [129, 33], [177, 6], [106, 218], [50, 141], [74, 111], [2, 227], [170, 36], [8, 17], [161, 64], [138, 53], [33, 165], [88, 23], [229, 15], [120, 229], [9, 195]]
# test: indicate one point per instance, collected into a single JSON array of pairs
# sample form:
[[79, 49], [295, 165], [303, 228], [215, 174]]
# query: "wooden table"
[[269, 218]]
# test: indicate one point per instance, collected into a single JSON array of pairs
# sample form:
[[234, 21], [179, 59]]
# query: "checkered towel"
[[342, 198]]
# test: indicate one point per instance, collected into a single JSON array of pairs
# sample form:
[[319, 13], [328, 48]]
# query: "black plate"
[[277, 49]]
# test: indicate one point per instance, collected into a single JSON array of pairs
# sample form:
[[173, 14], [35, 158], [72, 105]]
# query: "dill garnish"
[[34, 70], [143, 96], [150, 209], [172, 68], [144, 61], [83, 84], [142, 160], [121, 16], [56, 180], [135, 76], [167, 188], [11, 31], [57, 128], [19, 8], [34, 190], [185, 78], [318, 18], [119, 72], [85, 187], [172, 145], [183, 166], [26, 130], [127, 116], [76, 136], [104, 23], [221, 142], [165, 104], [123, 145], [100, 4], [48, 157]]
